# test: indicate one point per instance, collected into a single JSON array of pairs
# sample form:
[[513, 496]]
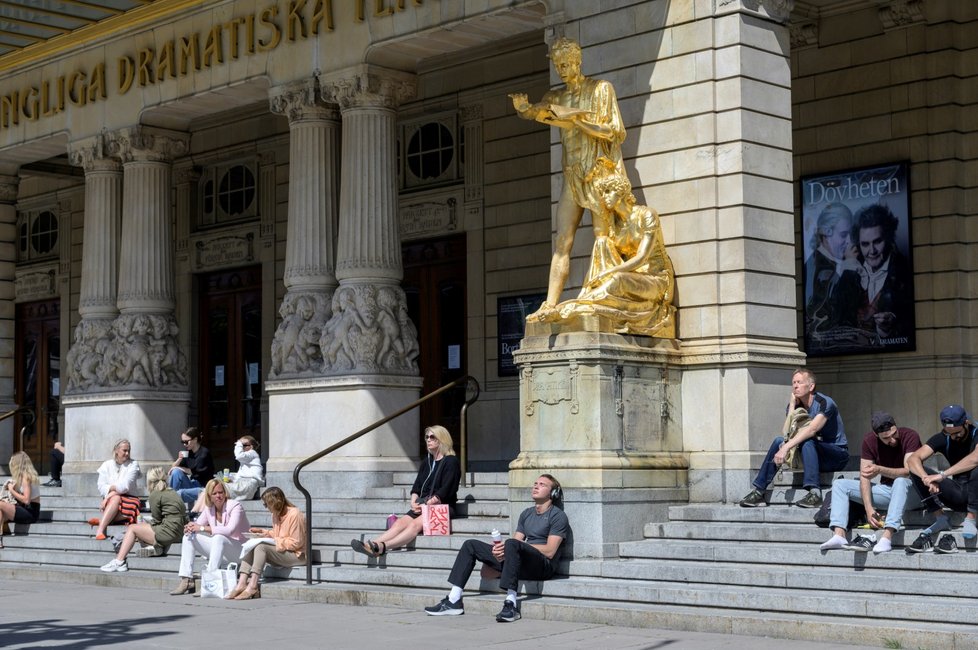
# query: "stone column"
[[368, 345], [9, 182], [142, 374], [100, 261], [310, 243]]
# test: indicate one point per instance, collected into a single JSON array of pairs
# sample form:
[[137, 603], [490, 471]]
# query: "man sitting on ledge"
[[531, 554], [822, 443]]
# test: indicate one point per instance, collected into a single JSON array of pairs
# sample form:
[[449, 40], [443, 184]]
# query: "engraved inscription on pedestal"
[[429, 215], [551, 386], [224, 251]]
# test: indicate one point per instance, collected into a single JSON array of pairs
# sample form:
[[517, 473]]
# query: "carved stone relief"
[[295, 348]]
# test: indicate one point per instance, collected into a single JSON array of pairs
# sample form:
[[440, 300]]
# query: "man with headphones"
[[956, 487], [530, 554]]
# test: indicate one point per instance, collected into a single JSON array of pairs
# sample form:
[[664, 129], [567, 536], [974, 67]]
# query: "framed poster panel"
[[511, 313], [858, 264]]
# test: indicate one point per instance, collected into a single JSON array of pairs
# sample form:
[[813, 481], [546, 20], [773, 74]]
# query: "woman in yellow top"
[[25, 489], [289, 535]]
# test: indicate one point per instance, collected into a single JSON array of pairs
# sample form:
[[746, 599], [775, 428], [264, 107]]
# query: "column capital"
[[368, 86], [778, 11], [147, 143], [299, 101], [92, 154], [8, 188]]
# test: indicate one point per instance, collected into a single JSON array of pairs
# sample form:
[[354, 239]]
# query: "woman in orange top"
[[289, 535]]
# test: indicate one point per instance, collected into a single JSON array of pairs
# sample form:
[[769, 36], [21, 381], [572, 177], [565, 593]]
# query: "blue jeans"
[[893, 499], [816, 456], [188, 489]]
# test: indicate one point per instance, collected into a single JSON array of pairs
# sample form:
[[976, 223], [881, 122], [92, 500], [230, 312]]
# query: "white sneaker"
[[834, 542], [115, 565]]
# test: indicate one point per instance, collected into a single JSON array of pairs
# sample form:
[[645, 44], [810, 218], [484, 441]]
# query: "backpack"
[[821, 518]]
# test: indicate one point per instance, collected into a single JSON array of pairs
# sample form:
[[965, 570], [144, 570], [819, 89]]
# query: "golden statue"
[[630, 282], [586, 112]]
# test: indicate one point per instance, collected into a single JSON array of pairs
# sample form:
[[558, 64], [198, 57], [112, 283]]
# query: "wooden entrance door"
[[230, 372], [434, 281], [38, 378]]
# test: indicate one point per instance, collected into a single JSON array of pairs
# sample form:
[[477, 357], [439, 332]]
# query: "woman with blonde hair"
[[287, 547], [169, 514], [437, 482], [218, 533], [117, 479], [25, 488]]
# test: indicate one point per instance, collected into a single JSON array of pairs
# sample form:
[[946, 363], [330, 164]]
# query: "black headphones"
[[556, 494]]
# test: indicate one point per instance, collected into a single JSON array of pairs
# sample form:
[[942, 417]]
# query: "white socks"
[[511, 595], [883, 546], [834, 542], [455, 594]]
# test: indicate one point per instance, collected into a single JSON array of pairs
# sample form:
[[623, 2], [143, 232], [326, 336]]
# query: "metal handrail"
[[345, 441], [21, 409]]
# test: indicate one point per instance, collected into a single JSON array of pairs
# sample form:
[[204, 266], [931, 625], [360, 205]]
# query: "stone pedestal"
[[600, 411], [150, 420], [308, 415]]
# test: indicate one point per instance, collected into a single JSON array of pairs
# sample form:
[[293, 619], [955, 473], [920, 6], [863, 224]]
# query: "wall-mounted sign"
[[511, 313]]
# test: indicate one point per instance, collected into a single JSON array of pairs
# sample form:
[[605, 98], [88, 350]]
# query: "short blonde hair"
[[445, 444], [210, 488]]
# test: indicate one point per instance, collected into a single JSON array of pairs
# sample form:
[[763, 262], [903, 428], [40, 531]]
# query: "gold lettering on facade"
[[96, 88], [30, 105], [213, 46], [9, 112], [189, 50], [250, 33], [266, 19], [322, 12], [127, 72], [76, 88], [166, 62], [296, 19], [145, 73], [232, 28], [381, 8]]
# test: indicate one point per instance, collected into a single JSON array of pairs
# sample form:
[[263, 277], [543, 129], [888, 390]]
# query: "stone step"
[[804, 555], [776, 533], [773, 514], [402, 494], [472, 479]]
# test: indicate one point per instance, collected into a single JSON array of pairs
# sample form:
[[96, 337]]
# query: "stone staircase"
[[709, 568]]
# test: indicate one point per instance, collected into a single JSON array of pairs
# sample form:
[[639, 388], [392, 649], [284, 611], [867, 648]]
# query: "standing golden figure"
[[630, 282]]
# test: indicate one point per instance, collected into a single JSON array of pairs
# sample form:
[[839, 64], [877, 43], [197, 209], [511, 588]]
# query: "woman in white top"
[[117, 479], [218, 532], [250, 476]]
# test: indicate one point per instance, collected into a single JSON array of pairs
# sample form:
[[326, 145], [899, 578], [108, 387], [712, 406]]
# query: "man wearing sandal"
[[530, 554]]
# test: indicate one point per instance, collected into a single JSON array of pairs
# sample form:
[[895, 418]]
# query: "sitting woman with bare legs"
[[437, 482], [288, 549], [169, 515], [25, 489], [117, 484]]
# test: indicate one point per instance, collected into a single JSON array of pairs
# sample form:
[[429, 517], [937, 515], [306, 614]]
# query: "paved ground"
[[48, 615]]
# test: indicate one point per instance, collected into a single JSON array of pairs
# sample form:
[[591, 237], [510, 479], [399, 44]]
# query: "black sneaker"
[[753, 500], [921, 545], [445, 608], [811, 500], [509, 613], [946, 544], [52, 483], [862, 544]]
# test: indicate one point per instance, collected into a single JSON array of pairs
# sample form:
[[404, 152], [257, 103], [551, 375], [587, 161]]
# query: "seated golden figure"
[[631, 280]]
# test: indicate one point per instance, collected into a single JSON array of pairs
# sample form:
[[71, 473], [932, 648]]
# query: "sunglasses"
[[430, 436]]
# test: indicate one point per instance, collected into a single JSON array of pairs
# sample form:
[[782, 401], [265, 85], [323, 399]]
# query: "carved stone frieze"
[[368, 86], [803, 34], [92, 154], [369, 332], [902, 13], [131, 350], [299, 101], [145, 143], [8, 188], [295, 348]]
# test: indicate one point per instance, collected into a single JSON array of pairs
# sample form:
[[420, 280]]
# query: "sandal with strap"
[[367, 549], [376, 549]]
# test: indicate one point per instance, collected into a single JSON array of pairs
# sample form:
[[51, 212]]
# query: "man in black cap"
[[884, 454], [956, 487]]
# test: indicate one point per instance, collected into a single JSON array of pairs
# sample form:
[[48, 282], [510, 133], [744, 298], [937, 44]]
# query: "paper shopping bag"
[[435, 520], [219, 583]]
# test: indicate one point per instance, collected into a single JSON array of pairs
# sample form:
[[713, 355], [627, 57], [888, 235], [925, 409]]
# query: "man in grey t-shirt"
[[530, 554]]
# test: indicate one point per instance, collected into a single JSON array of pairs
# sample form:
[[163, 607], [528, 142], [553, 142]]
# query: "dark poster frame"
[[858, 279], [511, 313]]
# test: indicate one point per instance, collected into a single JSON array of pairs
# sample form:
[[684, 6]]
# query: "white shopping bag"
[[219, 583]]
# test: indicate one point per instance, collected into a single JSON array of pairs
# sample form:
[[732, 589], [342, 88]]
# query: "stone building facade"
[[289, 218]]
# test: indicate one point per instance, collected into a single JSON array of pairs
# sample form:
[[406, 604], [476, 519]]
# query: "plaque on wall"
[[35, 284], [429, 215], [858, 268], [225, 250], [511, 313]]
